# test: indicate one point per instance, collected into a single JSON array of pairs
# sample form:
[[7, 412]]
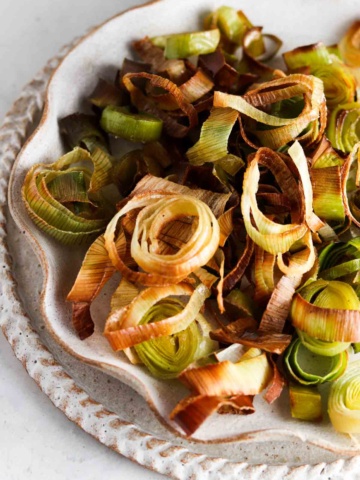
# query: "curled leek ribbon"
[[344, 400], [309, 368]]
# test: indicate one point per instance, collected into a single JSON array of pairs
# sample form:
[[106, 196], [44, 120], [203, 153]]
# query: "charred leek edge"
[[49, 189], [247, 377], [320, 347], [183, 45], [309, 368], [344, 400], [334, 316], [135, 127], [213, 143], [305, 403], [125, 327]]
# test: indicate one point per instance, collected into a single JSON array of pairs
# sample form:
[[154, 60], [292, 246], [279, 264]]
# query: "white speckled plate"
[[255, 444]]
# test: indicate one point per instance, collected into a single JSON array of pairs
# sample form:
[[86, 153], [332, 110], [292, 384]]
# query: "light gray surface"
[[37, 441]]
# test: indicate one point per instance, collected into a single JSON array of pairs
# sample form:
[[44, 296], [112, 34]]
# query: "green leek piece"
[[231, 24], [328, 203], [309, 368], [343, 129], [64, 198], [167, 356], [135, 127], [339, 82], [305, 403], [339, 259], [344, 400], [213, 143], [307, 56], [183, 45], [320, 347]]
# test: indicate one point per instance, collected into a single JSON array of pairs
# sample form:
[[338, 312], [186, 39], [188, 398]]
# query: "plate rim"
[[27, 345]]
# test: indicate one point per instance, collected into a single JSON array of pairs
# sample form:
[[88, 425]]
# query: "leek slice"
[[320, 347], [339, 83], [309, 368], [327, 310], [340, 259], [213, 143], [167, 356], [344, 400], [251, 105], [309, 55], [343, 129], [246, 377], [305, 403], [63, 198], [135, 127], [183, 45]]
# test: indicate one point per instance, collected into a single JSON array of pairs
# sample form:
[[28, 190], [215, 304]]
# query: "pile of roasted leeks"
[[231, 224]]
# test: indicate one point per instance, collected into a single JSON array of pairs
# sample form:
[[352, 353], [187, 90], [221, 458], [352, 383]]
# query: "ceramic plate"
[[297, 22]]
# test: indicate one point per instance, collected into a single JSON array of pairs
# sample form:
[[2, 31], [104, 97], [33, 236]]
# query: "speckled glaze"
[[135, 432]]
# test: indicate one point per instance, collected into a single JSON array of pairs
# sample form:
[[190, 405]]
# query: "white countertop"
[[37, 441]]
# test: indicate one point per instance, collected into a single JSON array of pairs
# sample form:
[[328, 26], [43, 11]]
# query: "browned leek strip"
[[193, 89], [191, 412], [300, 261], [264, 275], [158, 209], [247, 377], [235, 275], [329, 324], [278, 307], [285, 129], [175, 69], [276, 386], [269, 342], [271, 236], [123, 328], [95, 271], [298, 156], [147, 104], [216, 201]]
